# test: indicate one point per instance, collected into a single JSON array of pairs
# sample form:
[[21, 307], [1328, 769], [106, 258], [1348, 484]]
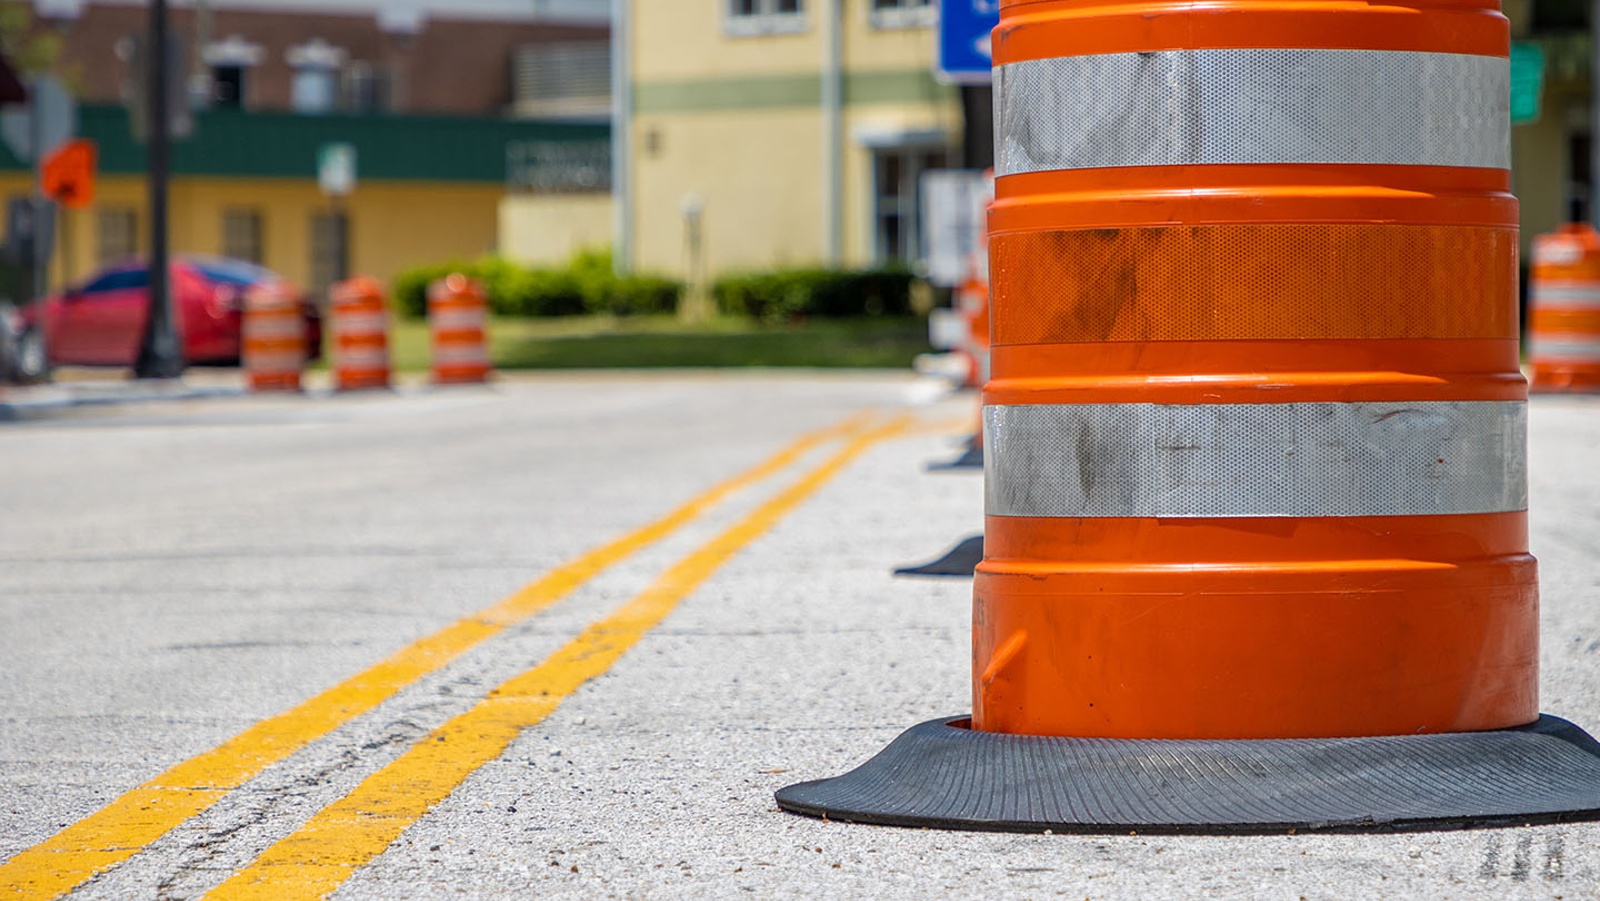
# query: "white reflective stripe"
[[1542, 349], [1557, 251], [460, 353], [273, 361], [1180, 107], [366, 357], [1572, 296], [1298, 459], [458, 319], [276, 327], [360, 323]]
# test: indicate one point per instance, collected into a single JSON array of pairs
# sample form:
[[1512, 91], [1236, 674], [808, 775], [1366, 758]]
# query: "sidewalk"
[[83, 386]]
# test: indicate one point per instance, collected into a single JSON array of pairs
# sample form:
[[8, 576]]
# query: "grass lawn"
[[603, 342]]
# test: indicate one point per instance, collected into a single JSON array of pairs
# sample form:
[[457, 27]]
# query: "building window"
[[241, 235], [369, 88], [568, 80], [753, 17], [314, 88], [227, 87], [230, 62], [904, 13], [311, 90], [896, 172], [116, 234]]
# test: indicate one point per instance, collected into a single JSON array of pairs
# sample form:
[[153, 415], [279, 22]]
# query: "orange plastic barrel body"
[[1564, 310], [360, 335], [458, 326], [273, 338], [1254, 438]]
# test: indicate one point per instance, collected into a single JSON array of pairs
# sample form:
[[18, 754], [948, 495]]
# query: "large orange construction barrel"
[[1564, 310], [1255, 432], [273, 338], [1255, 542], [458, 326], [360, 335]]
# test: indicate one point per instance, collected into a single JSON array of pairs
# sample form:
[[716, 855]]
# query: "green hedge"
[[587, 284], [787, 294]]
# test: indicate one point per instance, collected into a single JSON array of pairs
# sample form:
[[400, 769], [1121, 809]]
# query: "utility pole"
[[159, 354]]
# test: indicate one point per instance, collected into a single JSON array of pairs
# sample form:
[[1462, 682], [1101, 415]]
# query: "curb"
[[37, 402]]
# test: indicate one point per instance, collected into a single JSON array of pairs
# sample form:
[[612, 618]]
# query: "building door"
[[896, 223]]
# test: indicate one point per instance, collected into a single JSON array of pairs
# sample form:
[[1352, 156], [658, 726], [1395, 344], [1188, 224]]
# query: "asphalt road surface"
[[564, 637]]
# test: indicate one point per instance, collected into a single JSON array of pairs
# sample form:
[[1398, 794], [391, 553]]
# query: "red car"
[[101, 321]]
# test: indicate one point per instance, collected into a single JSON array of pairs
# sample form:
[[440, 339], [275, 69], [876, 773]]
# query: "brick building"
[[444, 103]]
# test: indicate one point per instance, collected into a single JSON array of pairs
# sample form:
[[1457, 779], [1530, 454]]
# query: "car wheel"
[[32, 364]]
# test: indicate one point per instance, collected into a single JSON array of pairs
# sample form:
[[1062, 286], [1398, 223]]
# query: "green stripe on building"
[[866, 88], [799, 91], [238, 144]]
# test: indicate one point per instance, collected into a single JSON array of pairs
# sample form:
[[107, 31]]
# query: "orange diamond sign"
[[68, 174]]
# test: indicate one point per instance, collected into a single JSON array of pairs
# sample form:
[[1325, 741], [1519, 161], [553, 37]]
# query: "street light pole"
[[159, 356]]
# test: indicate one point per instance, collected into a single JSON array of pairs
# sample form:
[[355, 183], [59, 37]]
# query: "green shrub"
[[585, 285], [786, 294], [410, 287], [547, 292]]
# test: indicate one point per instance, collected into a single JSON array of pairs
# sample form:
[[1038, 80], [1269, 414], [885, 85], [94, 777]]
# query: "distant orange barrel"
[[360, 335], [972, 299], [458, 324], [273, 338], [1564, 310], [1255, 434]]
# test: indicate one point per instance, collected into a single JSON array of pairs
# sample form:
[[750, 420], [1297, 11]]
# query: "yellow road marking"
[[319, 857], [146, 813]]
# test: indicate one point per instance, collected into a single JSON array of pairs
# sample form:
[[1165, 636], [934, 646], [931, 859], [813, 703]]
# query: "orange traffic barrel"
[[1256, 422], [972, 299], [1255, 545], [273, 338], [360, 335], [972, 304], [1564, 310], [458, 326]]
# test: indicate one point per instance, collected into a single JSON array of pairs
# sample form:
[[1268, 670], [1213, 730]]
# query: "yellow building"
[[1551, 153], [428, 189], [795, 129], [776, 132]]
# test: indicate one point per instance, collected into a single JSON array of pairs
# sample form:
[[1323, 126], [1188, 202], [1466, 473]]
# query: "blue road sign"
[[964, 27]]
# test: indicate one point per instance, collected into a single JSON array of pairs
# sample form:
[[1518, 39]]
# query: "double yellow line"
[[316, 859]]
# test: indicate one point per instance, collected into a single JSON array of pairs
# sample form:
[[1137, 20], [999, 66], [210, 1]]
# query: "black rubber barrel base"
[[971, 458], [959, 561], [944, 775]]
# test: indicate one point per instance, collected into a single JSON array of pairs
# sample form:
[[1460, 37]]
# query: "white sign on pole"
[[48, 119], [336, 169], [955, 203]]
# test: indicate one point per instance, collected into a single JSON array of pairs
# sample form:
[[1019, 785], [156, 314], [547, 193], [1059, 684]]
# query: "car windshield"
[[118, 280], [232, 272]]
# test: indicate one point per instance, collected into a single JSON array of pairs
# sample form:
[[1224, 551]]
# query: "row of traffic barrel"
[[274, 345]]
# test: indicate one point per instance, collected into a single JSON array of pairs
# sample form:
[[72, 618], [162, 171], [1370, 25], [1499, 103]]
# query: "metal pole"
[[341, 241], [159, 356], [833, 134], [39, 265], [1594, 118], [621, 137]]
